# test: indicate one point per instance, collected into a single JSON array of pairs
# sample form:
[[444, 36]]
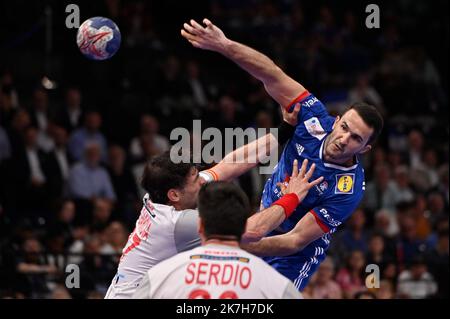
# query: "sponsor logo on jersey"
[[314, 128], [309, 102], [300, 149], [327, 216], [344, 183]]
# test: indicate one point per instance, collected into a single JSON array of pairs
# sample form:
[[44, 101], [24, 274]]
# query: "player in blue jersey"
[[299, 244]]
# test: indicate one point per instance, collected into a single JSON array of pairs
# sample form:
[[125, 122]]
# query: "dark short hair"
[[224, 209], [371, 116], [162, 174]]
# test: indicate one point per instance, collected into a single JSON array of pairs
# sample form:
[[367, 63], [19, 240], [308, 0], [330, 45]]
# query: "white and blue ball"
[[98, 38]]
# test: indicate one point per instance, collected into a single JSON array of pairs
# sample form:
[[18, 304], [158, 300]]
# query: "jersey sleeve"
[[143, 290], [186, 230], [311, 107], [335, 210], [291, 292]]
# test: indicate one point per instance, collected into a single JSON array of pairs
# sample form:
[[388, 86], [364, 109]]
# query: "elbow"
[[298, 243]]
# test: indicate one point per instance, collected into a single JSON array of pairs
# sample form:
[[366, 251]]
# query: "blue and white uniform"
[[331, 202]]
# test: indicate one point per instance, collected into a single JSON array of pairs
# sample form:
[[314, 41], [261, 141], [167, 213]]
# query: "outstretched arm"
[[267, 220], [250, 155], [306, 231], [278, 84]]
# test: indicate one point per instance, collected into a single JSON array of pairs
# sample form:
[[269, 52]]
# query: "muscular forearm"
[[257, 64], [281, 245], [263, 222], [246, 157]]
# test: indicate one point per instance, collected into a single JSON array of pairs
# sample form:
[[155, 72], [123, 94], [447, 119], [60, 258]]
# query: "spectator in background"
[[379, 190], [71, 114], [322, 286], [32, 270], [30, 176], [415, 148], [20, 121], [88, 180], [416, 282], [351, 277], [149, 150], [386, 223], [197, 87], [436, 206], [123, 183], [40, 118], [378, 253], [401, 191], [5, 146], [352, 237], [364, 92], [90, 132], [386, 290], [101, 216], [115, 237], [59, 162], [438, 262], [60, 292], [408, 245], [149, 129], [63, 223]]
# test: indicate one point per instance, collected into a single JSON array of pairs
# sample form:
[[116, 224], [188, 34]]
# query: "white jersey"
[[215, 272], [161, 232]]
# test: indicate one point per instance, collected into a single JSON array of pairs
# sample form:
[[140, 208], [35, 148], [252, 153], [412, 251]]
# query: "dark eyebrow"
[[354, 134]]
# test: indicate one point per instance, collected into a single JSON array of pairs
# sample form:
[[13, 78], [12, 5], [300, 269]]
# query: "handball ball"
[[98, 38]]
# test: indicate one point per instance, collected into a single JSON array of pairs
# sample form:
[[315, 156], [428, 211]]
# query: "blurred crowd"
[[72, 154]]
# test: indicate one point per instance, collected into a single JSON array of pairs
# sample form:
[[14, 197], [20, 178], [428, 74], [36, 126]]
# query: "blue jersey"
[[331, 202]]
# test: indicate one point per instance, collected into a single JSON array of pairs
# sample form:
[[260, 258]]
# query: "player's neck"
[[222, 240]]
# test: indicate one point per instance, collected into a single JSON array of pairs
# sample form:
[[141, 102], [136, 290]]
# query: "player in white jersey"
[[168, 222], [218, 269]]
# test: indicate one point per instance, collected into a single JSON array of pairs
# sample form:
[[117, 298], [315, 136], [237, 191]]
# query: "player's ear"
[[173, 195], [335, 121], [366, 148]]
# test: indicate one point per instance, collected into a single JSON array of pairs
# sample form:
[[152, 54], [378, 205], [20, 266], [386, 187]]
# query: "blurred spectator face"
[[93, 121], [117, 234], [401, 176], [436, 203], [30, 138], [356, 260], [227, 107], [21, 120], [382, 221], [357, 220], [408, 227], [149, 124], [92, 154], [73, 98], [415, 139], [148, 147], [264, 120], [386, 290], [395, 159], [418, 269], [192, 69], [102, 210], [390, 272], [32, 249], [430, 158], [382, 176], [67, 212], [325, 272], [40, 100], [116, 157], [379, 156], [60, 292], [92, 245], [59, 136], [80, 232], [171, 67], [376, 245]]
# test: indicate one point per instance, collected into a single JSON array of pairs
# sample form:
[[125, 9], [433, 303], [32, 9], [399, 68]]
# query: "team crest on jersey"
[[322, 187], [314, 128], [344, 183]]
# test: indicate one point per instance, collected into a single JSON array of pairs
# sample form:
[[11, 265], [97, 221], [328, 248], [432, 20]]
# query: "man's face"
[[189, 193], [349, 137]]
